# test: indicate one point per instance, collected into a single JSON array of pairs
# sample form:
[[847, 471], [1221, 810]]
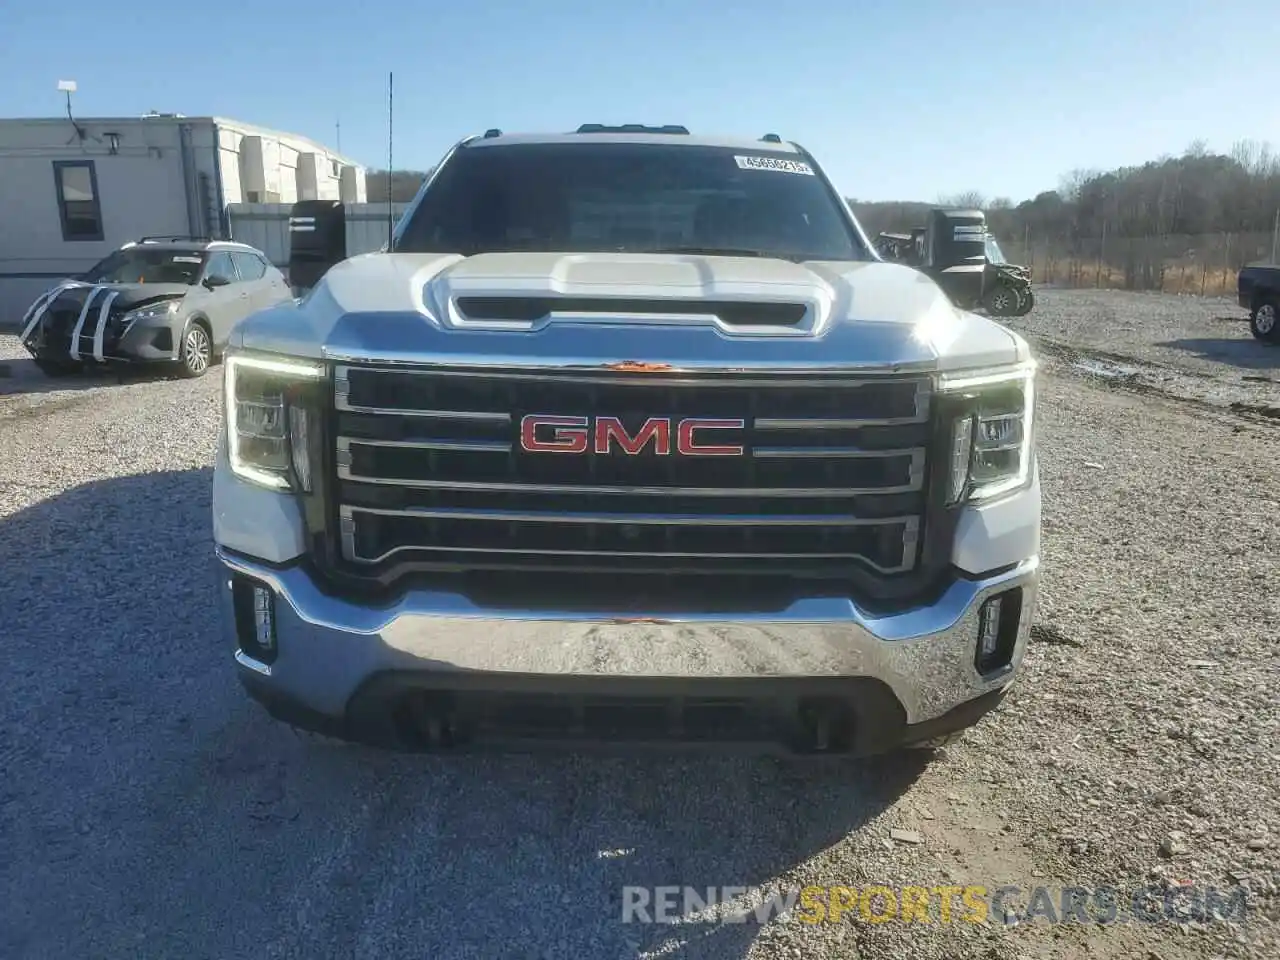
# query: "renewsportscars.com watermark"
[[937, 904]]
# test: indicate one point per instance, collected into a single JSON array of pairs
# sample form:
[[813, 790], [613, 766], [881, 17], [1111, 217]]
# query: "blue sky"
[[894, 98]]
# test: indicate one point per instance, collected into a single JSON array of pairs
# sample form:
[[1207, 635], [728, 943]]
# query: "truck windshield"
[[147, 265], [627, 197]]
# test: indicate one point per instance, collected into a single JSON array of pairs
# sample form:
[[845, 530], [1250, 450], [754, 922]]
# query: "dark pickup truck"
[[1258, 289]]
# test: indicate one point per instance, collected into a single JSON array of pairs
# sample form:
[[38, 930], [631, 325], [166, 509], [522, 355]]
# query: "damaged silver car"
[[163, 300]]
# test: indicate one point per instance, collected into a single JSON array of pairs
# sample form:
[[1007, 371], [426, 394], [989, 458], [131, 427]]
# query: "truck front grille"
[[817, 473]]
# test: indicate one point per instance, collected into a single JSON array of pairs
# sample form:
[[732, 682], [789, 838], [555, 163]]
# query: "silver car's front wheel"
[[197, 351]]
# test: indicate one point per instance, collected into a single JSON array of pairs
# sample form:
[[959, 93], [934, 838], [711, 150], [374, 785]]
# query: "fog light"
[[988, 628], [255, 616], [264, 626], [998, 621]]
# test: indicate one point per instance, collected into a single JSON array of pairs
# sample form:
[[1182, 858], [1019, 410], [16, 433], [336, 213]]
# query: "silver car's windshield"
[[148, 265]]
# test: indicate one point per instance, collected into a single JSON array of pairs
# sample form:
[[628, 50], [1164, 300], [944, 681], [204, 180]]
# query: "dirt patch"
[[1120, 372]]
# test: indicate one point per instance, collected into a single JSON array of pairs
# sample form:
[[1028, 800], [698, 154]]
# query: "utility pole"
[[1275, 236], [337, 129]]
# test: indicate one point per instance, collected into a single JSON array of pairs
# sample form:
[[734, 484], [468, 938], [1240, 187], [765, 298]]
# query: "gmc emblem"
[[540, 433]]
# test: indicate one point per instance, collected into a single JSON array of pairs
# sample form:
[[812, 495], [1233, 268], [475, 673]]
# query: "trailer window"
[[78, 207]]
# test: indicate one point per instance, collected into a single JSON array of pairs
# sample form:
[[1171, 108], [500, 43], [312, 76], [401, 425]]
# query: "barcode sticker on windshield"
[[186, 259], [774, 163]]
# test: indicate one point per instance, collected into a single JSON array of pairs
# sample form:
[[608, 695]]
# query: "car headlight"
[[272, 410], [992, 431], [152, 311]]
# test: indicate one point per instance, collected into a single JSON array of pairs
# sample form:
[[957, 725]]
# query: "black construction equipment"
[[955, 254], [963, 258], [317, 240]]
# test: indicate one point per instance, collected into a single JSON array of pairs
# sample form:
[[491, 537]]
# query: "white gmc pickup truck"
[[629, 435]]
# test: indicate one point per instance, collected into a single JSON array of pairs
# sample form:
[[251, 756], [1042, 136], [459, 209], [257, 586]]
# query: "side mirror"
[[214, 281]]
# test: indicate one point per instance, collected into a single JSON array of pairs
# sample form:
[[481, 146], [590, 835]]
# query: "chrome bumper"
[[328, 647]]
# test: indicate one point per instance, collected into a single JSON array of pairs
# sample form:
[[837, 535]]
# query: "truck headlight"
[[271, 409], [992, 440]]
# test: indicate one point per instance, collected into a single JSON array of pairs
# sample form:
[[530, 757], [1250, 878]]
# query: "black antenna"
[[391, 219]]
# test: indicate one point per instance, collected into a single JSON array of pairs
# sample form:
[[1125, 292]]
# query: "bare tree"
[[1070, 184], [403, 184], [966, 198]]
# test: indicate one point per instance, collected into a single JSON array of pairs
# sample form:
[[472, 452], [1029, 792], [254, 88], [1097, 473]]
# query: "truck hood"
[[423, 307]]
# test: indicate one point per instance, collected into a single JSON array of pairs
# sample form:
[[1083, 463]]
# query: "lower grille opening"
[[654, 594], [443, 719]]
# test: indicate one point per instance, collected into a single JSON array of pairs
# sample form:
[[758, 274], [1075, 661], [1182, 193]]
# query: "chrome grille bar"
[[429, 465], [348, 527]]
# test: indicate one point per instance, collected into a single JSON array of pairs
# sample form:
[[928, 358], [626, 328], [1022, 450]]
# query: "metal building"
[[73, 190]]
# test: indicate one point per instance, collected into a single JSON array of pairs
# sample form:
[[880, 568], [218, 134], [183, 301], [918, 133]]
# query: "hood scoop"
[[739, 296], [533, 311]]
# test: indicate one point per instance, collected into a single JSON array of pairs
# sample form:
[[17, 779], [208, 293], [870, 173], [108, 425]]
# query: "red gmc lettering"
[[657, 429], [577, 435], [687, 444], [569, 435]]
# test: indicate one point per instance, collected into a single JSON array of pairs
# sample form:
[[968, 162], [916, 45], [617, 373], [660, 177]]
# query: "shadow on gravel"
[[22, 376], [151, 809], [1250, 353]]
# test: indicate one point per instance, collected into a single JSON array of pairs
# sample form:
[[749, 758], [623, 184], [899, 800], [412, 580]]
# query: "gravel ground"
[[149, 810], [1197, 348]]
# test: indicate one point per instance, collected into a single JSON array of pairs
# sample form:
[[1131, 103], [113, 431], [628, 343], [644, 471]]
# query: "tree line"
[[1183, 224], [403, 184], [1197, 193]]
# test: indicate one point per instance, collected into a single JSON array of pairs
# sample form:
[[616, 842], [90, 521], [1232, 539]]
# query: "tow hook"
[[827, 725], [433, 722]]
